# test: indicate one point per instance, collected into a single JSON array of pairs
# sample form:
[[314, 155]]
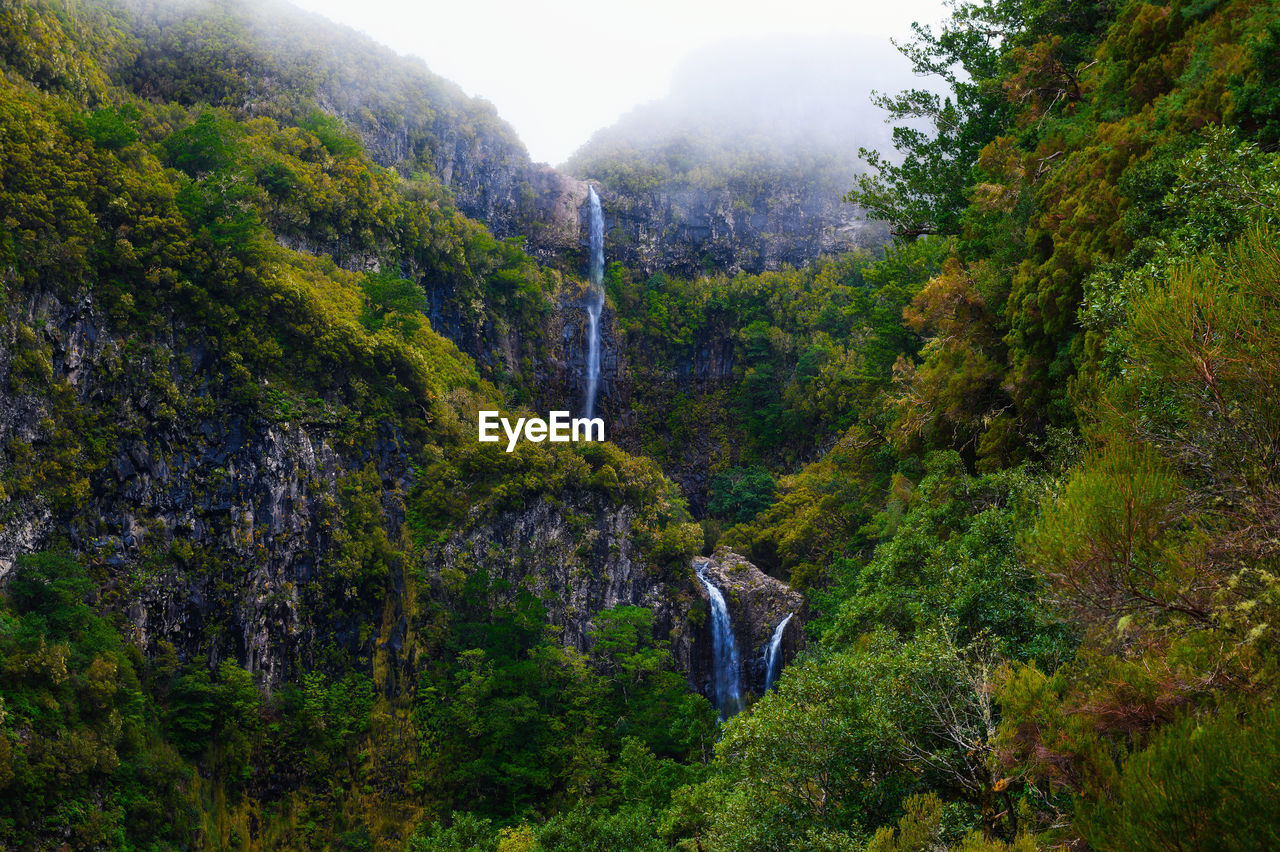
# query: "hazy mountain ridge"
[[744, 165], [273, 59]]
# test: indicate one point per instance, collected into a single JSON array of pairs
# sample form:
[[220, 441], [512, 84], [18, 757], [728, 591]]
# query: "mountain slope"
[[259, 465]]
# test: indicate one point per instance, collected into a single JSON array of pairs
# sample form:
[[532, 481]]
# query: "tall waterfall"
[[773, 654], [595, 302], [723, 647]]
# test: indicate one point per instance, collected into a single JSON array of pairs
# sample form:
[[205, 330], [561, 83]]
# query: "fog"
[[559, 71], [786, 93]]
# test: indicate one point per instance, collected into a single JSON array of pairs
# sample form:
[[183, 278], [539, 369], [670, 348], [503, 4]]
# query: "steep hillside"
[[272, 59], [230, 429], [1047, 560]]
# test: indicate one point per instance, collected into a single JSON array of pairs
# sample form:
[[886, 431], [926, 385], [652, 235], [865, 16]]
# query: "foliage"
[[1068, 188], [1026, 476], [1107, 539], [952, 558], [210, 239], [741, 493], [1001, 60], [907, 713], [515, 719], [782, 362], [921, 826], [81, 757], [1158, 541], [1204, 781]]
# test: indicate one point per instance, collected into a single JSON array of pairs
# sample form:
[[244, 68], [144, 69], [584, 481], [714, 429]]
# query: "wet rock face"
[[256, 506], [757, 604], [576, 555], [216, 533], [491, 178], [686, 231], [566, 382], [498, 185], [682, 230]]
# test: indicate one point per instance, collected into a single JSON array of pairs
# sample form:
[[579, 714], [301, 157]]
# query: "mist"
[[561, 71], [802, 91], [796, 108]]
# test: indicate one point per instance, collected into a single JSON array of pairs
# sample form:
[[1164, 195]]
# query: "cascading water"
[[773, 654], [724, 649], [595, 302]]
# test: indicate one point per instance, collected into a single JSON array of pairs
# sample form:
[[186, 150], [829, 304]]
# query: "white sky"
[[558, 70]]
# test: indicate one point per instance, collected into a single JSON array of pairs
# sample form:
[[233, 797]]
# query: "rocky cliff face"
[[488, 172], [493, 181], [284, 63], [671, 227], [477, 156], [210, 526], [411, 119], [757, 605], [565, 381], [681, 230], [224, 534], [218, 525], [688, 231], [578, 554]]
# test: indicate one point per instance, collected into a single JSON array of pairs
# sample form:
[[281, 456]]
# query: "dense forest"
[[263, 589]]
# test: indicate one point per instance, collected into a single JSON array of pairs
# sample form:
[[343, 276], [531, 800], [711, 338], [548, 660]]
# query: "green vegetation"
[[172, 212], [517, 721], [82, 755], [1023, 466], [769, 369], [1039, 555]]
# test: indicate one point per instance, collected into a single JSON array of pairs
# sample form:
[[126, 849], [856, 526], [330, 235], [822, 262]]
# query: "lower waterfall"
[[724, 649], [773, 654]]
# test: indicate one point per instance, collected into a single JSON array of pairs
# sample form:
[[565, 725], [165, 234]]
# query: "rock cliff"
[[217, 512], [757, 605], [578, 554], [210, 525], [687, 231], [222, 533], [218, 532]]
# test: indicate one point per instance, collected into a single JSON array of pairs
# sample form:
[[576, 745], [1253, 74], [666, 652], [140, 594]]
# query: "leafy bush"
[[80, 757], [1204, 782]]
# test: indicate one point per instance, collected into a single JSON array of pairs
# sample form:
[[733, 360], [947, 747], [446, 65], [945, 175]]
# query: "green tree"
[[741, 493], [390, 299], [927, 192], [1203, 782]]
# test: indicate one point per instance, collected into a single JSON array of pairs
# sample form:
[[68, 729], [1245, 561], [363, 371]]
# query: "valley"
[[367, 485]]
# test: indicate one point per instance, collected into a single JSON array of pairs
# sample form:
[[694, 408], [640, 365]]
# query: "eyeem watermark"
[[560, 428]]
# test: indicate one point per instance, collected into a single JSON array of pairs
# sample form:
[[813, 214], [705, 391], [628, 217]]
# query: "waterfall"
[[773, 654], [723, 647], [595, 302]]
